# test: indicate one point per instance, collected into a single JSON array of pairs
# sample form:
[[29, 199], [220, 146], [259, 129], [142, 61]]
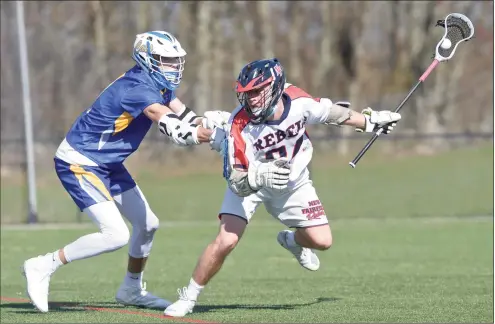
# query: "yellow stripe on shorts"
[[82, 175]]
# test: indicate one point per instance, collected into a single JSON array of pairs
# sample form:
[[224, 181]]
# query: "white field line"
[[259, 223]]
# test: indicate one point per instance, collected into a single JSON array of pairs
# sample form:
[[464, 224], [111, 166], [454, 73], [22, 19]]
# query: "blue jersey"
[[114, 126]]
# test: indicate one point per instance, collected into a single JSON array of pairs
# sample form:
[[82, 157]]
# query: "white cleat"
[[38, 271], [138, 296], [182, 307], [305, 256]]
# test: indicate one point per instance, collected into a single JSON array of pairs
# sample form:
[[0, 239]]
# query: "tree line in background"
[[368, 52]]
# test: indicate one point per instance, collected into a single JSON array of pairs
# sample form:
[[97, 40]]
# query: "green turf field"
[[404, 270], [457, 183], [413, 242]]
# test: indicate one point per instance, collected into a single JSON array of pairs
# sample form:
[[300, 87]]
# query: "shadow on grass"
[[28, 308], [206, 308]]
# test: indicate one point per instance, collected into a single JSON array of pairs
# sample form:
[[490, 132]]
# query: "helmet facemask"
[[260, 102], [171, 68]]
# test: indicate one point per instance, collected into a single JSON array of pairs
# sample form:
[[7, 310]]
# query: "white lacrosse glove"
[[215, 118], [180, 132], [379, 119], [218, 121], [272, 175]]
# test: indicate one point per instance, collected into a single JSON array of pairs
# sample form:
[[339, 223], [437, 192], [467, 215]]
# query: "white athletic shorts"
[[299, 207]]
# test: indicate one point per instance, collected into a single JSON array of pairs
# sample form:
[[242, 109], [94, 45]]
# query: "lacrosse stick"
[[458, 28]]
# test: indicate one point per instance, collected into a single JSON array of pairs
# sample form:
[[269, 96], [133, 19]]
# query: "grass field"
[[457, 183], [404, 270], [413, 242]]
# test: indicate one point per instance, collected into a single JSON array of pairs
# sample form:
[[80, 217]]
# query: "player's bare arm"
[[356, 119], [156, 111]]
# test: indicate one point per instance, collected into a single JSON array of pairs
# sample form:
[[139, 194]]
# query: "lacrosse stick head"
[[458, 28]]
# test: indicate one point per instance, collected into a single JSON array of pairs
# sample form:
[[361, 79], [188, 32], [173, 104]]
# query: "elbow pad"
[[338, 112]]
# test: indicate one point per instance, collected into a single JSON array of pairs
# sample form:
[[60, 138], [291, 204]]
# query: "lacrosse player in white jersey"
[[266, 159]]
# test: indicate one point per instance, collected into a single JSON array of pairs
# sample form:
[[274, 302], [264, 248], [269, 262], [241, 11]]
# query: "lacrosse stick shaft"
[[379, 132]]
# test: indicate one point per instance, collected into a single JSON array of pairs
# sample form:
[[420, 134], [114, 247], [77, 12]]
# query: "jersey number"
[[280, 151]]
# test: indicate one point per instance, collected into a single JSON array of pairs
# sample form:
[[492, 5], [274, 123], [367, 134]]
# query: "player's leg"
[[234, 217], [88, 189], [113, 234], [318, 237], [304, 240], [209, 263], [302, 209], [231, 229], [133, 205]]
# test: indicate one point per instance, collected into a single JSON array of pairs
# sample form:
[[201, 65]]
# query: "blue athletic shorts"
[[89, 185]]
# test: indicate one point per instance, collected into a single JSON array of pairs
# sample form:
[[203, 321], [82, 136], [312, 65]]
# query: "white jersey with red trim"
[[286, 137]]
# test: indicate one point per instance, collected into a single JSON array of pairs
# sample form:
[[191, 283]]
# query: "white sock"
[[134, 279], [291, 240], [193, 290], [57, 263]]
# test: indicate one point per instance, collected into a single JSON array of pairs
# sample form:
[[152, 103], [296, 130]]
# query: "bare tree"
[[263, 10], [369, 54], [186, 35], [296, 32], [326, 57], [143, 14], [100, 40], [203, 50], [353, 30], [239, 41], [220, 58]]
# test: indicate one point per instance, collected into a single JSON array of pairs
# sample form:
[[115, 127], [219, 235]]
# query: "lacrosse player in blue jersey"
[[89, 163]]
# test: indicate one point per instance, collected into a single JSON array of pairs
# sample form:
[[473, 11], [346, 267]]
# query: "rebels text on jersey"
[[114, 126], [286, 137]]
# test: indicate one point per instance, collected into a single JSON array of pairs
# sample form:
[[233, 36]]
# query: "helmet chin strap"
[[271, 111], [266, 114]]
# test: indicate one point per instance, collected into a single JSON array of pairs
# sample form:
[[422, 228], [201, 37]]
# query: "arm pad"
[[168, 122], [337, 114], [181, 133], [187, 115]]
